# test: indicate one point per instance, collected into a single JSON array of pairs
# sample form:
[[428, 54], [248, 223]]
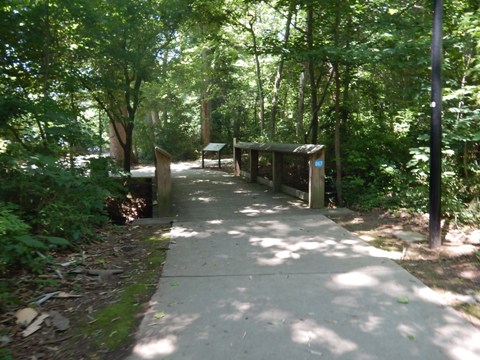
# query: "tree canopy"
[[352, 75]]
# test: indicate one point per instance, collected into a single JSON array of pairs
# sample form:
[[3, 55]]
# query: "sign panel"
[[318, 163], [214, 147]]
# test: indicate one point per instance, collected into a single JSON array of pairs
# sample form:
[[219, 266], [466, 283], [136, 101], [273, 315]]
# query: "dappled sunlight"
[[427, 294], [235, 233], [354, 279], [181, 166], [371, 324], [171, 324], [238, 310], [261, 278], [265, 242], [207, 200], [286, 246], [249, 211], [273, 317], [286, 254], [269, 261], [154, 348], [223, 182], [215, 222], [379, 253], [408, 331], [181, 232], [243, 191], [454, 332], [310, 333]]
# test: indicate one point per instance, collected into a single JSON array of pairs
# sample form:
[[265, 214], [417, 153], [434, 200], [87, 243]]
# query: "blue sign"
[[318, 163]]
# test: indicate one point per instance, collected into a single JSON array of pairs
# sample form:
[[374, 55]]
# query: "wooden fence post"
[[237, 155], [164, 182], [316, 183]]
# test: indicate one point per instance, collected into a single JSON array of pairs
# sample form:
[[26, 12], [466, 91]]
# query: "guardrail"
[[316, 161]]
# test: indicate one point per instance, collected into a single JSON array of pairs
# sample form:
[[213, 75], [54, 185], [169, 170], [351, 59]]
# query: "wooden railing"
[[314, 154]]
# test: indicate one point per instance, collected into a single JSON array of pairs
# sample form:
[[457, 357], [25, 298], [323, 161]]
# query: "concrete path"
[[255, 275]]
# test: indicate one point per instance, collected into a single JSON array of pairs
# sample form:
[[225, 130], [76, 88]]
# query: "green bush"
[[19, 247], [55, 201]]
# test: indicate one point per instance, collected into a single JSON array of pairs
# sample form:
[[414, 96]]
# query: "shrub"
[[55, 201], [19, 247]]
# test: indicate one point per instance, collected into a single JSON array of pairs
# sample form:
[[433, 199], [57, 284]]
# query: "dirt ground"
[[86, 281], [453, 271]]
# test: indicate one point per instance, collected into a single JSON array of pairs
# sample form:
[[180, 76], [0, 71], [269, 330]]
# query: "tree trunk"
[[300, 105], [278, 77], [128, 149], [116, 147], [206, 106], [311, 76], [206, 117], [258, 70], [155, 118]]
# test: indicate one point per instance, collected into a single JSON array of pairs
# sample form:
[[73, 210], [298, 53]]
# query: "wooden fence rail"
[[316, 161]]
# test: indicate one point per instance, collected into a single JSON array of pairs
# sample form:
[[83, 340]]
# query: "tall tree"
[[120, 42], [278, 76]]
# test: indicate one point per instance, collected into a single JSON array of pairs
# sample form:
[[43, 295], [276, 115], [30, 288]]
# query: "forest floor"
[[102, 289]]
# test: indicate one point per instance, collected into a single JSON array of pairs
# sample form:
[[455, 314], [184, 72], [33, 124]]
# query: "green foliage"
[[19, 247], [5, 354], [53, 200], [176, 137], [455, 194], [180, 140]]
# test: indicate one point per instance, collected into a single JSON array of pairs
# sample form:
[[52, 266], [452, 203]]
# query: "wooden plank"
[[302, 195], [305, 149]]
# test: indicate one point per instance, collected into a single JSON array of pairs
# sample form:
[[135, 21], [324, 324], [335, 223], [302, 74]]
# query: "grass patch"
[[114, 325], [387, 244], [470, 309]]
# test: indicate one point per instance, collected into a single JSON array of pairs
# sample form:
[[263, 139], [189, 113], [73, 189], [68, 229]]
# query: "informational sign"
[[318, 163], [214, 147]]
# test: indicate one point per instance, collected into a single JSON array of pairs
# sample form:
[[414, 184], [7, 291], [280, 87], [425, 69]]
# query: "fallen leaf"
[[410, 337], [26, 316], [35, 326], [60, 322], [159, 315], [403, 299]]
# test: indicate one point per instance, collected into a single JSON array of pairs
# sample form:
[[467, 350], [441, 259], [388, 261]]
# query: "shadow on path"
[[253, 274]]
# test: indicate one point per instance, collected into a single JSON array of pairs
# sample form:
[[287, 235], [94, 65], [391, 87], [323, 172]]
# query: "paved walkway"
[[255, 275]]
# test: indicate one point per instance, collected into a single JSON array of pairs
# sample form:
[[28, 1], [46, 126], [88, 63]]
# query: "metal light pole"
[[435, 238]]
